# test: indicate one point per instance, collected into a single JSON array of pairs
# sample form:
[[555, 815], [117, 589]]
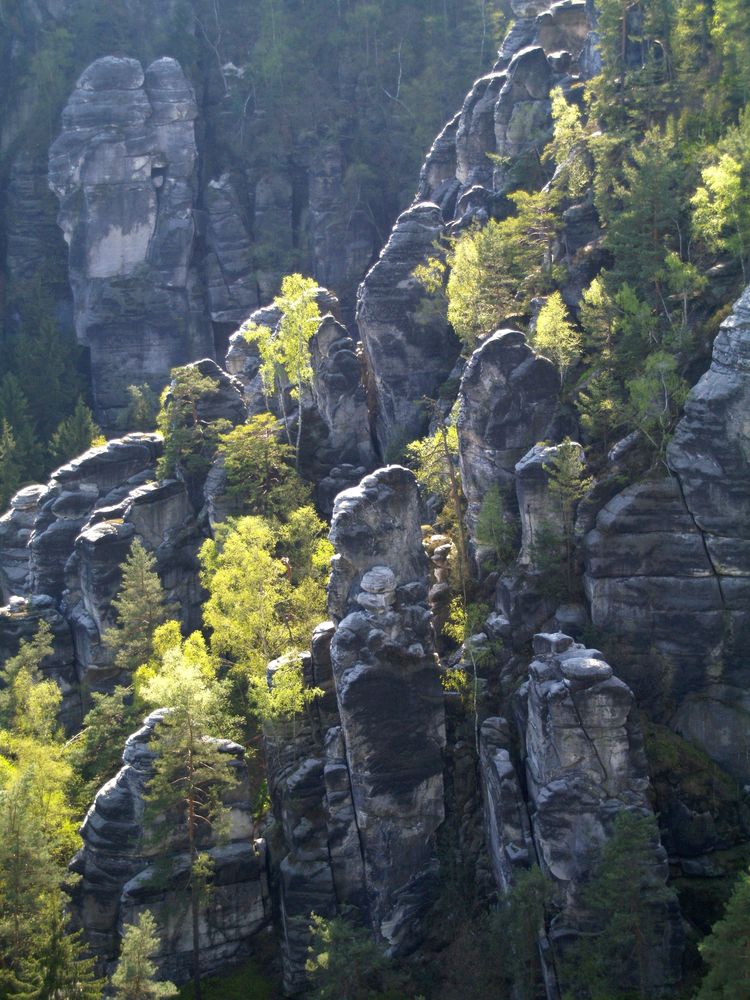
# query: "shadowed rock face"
[[116, 865], [668, 564], [409, 348], [584, 764], [124, 171], [507, 399], [389, 695]]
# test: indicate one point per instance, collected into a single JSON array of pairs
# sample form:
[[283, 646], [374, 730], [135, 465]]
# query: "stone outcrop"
[[583, 760], [124, 170], [668, 564], [409, 348], [16, 526], [62, 546], [358, 788], [117, 865], [508, 398], [389, 694], [507, 112]]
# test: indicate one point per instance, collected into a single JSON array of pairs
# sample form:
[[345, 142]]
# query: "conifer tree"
[[142, 408], [10, 473], [28, 703], [133, 979], [141, 606], [191, 774], [58, 967], [74, 435], [567, 484], [555, 336], [726, 952], [189, 441], [14, 408]]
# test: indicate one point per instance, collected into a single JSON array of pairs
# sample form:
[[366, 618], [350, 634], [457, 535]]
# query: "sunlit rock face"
[[125, 870], [124, 170], [668, 564]]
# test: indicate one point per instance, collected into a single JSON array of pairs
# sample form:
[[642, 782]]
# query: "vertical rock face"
[[15, 531], [507, 399], [230, 276], [124, 171], [409, 348], [584, 764], [668, 563], [389, 695], [117, 869], [357, 783]]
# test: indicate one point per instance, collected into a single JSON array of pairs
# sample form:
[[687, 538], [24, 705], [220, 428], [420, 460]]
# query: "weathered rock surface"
[[584, 763], [357, 782], [15, 531], [409, 348], [232, 284], [668, 564], [124, 171], [117, 868], [389, 695], [508, 397]]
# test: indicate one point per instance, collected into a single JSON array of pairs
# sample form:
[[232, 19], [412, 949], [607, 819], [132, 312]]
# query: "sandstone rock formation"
[[508, 397], [409, 348], [584, 763], [667, 569], [124, 169], [118, 877], [358, 790], [15, 531]]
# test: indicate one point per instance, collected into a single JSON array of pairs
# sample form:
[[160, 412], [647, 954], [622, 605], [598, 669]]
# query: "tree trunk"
[[194, 891]]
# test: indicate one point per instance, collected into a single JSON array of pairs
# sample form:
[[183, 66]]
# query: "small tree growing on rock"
[[133, 978], [141, 606]]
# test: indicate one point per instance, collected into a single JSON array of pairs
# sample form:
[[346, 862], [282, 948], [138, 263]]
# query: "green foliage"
[[244, 983], [263, 605], [28, 704], [74, 435], [134, 977], [656, 398], [10, 461], [721, 209], [191, 774], [190, 442], [95, 754], [429, 457], [495, 531], [568, 147], [140, 606], [495, 270], [261, 478], [142, 410], [725, 950], [287, 349], [555, 336], [58, 967], [26, 455], [567, 483], [625, 897], [346, 963]]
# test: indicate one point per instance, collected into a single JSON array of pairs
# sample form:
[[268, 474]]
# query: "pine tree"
[[726, 951], [142, 408], [28, 704], [14, 408], [627, 897], [133, 978], [191, 774], [74, 435], [189, 441], [57, 968], [288, 349], [140, 606], [567, 484], [10, 473], [555, 336], [260, 476], [495, 531]]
